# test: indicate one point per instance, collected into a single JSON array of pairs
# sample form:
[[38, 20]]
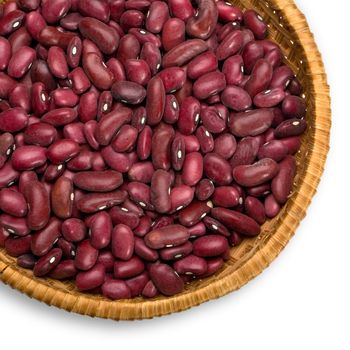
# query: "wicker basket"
[[288, 27]]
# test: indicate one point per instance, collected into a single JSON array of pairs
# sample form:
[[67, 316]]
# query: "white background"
[[301, 301]]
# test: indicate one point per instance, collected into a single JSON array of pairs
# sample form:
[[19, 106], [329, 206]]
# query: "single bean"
[[128, 92], [122, 215], [71, 21], [137, 284], [181, 196], [274, 149], [281, 78], [269, 98], [91, 279], [210, 246], [115, 289], [143, 36], [292, 143], [13, 120], [260, 78], [155, 103], [213, 266], [13, 203], [209, 84], [216, 226], [217, 169], [60, 116], [57, 62], [47, 262], [236, 98], [173, 33], [205, 139], [162, 138], [126, 269], [290, 128], [294, 107], [226, 196], [86, 256], [94, 8], [192, 168], [236, 221], [255, 209], [151, 54], [204, 189], [160, 191], [158, 14], [191, 265], [129, 48], [181, 9], [255, 23], [230, 45], [27, 261], [14, 225], [62, 197], [228, 12], [5, 48], [225, 145], [213, 120], [259, 191], [141, 172], [11, 21], [131, 19], [272, 207], [189, 115], [141, 5], [173, 78], [144, 252], [62, 150], [193, 213], [64, 270], [28, 157], [166, 280]]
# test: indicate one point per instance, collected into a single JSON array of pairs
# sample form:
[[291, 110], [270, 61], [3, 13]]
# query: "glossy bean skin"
[[128, 92], [157, 16], [188, 115], [14, 225], [100, 230], [160, 191], [236, 98], [155, 103], [274, 149], [246, 152], [97, 9], [115, 289], [20, 62], [144, 252], [236, 221], [165, 279], [281, 78], [144, 36], [91, 203], [203, 24], [131, 19], [282, 184], [144, 143], [43, 241], [255, 23], [192, 169], [62, 151], [209, 84], [13, 120], [226, 197], [151, 54], [88, 280], [57, 62], [65, 97], [217, 169], [216, 226], [225, 145], [5, 48], [191, 265], [141, 171], [210, 246], [233, 69], [260, 78], [165, 237], [250, 123], [294, 107], [290, 128], [110, 123], [161, 146], [13, 203], [181, 9], [105, 37], [27, 261], [62, 197], [269, 98], [64, 270], [73, 230], [180, 197], [123, 242], [177, 153], [8, 175], [204, 189], [255, 209], [38, 205], [59, 116], [98, 181], [193, 213], [86, 256], [228, 12], [138, 71], [205, 139], [28, 157], [202, 64], [255, 174], [126, 269], [213, 120], [230, 45], [173, 78], [122, 215], [184, 52], [272, 207], [173, 33]]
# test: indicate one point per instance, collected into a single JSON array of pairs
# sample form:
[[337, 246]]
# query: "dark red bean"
[[94, 8], [289, 128], [181, 196], [100, 230], [27, 261], [230, 45], [209, 84], [165, 279], [13, 120], [5, 48], [191, 265], [236, 221], [122, 215], [91, 279], [98, 181], [213, 120], [64, 270], [155, 103], [225, 145], [122, 242], [47, 262], [255, 209], [86, 256], [162, 138], [128, 92], [173, 33], [13, 203], [160, 191], [294, 107], [210, 246], [236, 98], [130, 268], [115, 289], [193, 213], [14, 225], [157, 15], [28, 157], [217, 169], [274, 149], [226, 196], [255, 23], [60, 116], [272, 207]]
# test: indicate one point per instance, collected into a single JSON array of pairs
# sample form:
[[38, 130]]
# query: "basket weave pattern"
[[288, 27]]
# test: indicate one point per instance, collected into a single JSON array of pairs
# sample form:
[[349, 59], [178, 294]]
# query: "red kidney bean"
[[14, 225], [140, 193], [236, 98], [13, 120], [125, 139], [256, 174], [255, 209], [173, 78], [259, 191], [143, 36], [144, 143], [115, 289], [209, 84], [203, 24], [47, 262], [20, 97], [217, 169], [137, 71], [138, 118], [137, 284], [141, 172], [150, 290], [104, 36], [62, 150], [251, 123], [189, 115], [166, 280], [141, 5], [156, 17], [193, 213], [100, 230], [57, 62], [40, 73], [54, 11], [75, 132], [184, 52], [178, 153], [274, 149], [60, 116], [129, 48], [236, 221], [226, 196], [294, 107], [162, 138], [94, 8], [191, 265], [8, 175], [126, 269], [80, 82], [181, 196], [260, 78], [230, 45], [269, 98], [73, 230], [202, 64], [11, 21], [128, 92], [295, 87], [17, 246], [160, 191], [28, 157], [255, 23], [192, 168], [83, 161], [181, 9], [173, 33], [43, 241], [91, 279], [177, 252], [165, 237], [228, 12], [205, 139], [86, 256], [213, 120], [216, 226], [272, 207], [13, 203], [27, 261], [155, 103], [246, 152], [131, 19], [62, 197], [281, 78], [210, 246], [204, 189], [144, 226], [225, 145], [28, 5], [38, 205], [145, 252], [122, 215], [290, 127], [151, 54], [123, 242], [292, 143], [252, 52], [71, 21], [117, 69], [107, 259], [93, 202], [98, 181], [5, 48], [64, 270], [74, 51]]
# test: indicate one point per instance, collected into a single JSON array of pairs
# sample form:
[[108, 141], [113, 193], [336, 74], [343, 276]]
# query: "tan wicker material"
[[288, 27]]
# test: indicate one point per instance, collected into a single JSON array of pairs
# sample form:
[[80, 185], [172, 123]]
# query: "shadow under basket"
[[288, 27]]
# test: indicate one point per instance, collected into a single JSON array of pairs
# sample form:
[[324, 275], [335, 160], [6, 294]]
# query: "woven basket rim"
[[140, 309]]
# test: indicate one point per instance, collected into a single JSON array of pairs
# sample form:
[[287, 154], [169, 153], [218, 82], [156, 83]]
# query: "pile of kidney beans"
[[140, 139]]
